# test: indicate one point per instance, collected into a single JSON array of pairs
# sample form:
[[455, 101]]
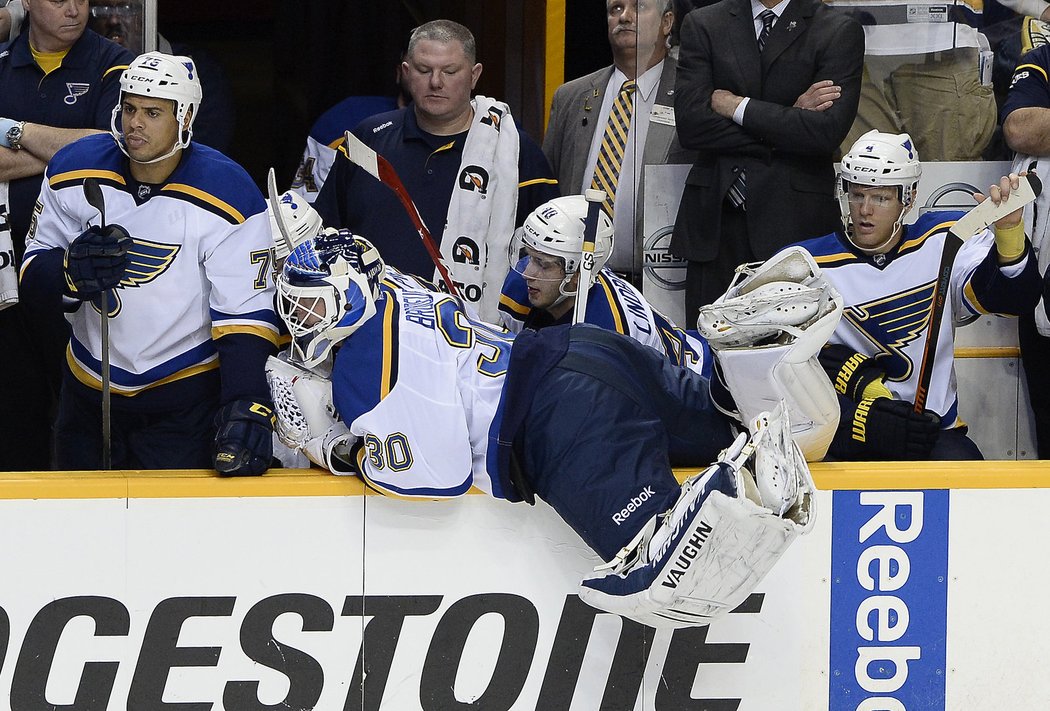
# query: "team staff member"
[[886, 272], [181, 263], [471, 173], [59, 82]]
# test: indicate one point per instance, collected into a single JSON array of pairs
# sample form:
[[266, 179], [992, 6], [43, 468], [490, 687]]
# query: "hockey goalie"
[[401, 387]]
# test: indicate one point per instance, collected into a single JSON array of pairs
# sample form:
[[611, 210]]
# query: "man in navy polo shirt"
[[436, 144], [58, 82]]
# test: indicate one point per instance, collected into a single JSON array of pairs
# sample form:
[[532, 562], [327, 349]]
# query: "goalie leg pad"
[[759, 379], [708, 553], [719, 551]]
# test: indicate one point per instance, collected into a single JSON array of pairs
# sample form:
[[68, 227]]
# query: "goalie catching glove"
[[95, 261], [731, 523], [244, 442]]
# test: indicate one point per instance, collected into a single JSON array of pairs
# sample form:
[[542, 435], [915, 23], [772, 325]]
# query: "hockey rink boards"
[[286, 591]]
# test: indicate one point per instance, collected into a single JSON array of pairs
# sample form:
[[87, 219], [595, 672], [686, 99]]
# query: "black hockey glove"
[[891, 429], [96, 260], [244, 442], [850, 372]]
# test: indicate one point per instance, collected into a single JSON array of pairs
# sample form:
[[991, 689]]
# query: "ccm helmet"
[[880, 159], [162, 76], [326, 291]]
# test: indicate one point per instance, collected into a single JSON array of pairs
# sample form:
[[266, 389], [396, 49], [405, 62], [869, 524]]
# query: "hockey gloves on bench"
[[96, 260], [852, 374], [244, 441], [891, 430]]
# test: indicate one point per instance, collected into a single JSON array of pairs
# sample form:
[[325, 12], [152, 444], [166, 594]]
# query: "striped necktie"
[[614, 144], [738, 190]]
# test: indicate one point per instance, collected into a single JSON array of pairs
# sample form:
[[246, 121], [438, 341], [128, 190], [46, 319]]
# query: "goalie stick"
[[595, 198], [977, 219], [379, 168], [94, 197], [271, 188]]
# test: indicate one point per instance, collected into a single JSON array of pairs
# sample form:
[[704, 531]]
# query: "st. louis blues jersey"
[[615, 305], [888, 301], [200, 268], [419, 384]]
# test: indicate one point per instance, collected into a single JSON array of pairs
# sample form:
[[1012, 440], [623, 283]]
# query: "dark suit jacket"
[[575, 117], [788, 153]]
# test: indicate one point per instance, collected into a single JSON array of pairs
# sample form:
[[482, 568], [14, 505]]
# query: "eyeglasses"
[[100, 11], [876, 201]]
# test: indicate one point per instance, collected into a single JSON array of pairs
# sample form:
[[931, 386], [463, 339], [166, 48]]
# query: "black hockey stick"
[[379, 168], [977, 219], [93, 195]]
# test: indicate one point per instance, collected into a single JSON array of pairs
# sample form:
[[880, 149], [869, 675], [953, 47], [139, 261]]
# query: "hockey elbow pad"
[[244, 441], [95, 261], [891, 430]]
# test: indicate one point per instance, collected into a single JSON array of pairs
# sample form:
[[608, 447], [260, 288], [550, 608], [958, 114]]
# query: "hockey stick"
[[271, 188], [379, 168], [979, 218], [93, 195], [595, 198]]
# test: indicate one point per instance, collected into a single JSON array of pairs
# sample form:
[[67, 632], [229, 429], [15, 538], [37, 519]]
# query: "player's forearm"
[[1027, 130], [19, 164], [44, 141]]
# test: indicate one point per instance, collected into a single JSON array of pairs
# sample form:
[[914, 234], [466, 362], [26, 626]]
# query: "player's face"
[[150, 128], [638, 30], [874, 211], [439, 77], [307, 313], [56, 24], [543, 276]]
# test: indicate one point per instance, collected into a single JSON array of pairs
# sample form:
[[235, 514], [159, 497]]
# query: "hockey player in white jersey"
[[178, 256], [541, 288], [886, 272], [425, 401]]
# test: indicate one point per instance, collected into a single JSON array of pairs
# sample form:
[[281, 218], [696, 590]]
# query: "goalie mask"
[[880, 160], [161, 76], [549, 245], [297, 217], [326, 291]]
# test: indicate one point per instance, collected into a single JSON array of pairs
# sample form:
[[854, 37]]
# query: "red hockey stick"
[[379, 167]]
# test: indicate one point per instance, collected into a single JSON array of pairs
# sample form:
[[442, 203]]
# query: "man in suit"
[[638, 35], [748, 113]]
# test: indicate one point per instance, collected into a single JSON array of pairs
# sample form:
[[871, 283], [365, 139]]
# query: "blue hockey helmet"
[[326, 291]]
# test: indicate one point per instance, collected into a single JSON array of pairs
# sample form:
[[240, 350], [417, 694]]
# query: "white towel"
[[484, 203], [8, 272]]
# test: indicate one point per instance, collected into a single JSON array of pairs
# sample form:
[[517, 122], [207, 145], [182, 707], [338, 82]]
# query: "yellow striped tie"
[[614, 144]]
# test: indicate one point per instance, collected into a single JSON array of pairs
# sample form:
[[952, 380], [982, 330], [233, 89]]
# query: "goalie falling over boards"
[[431, 403]]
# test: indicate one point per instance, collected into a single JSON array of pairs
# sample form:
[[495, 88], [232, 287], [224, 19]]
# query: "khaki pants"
[[937, 98]]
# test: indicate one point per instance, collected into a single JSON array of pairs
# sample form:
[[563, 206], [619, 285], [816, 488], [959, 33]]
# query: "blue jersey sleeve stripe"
[[171, 369], [263, 315], [391, 317]]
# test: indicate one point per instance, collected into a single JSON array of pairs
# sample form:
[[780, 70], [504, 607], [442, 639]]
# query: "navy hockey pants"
[[604, 429]]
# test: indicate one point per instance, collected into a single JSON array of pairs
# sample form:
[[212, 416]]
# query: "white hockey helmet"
[[163, 76], [880, 159], [556, 228], [326, 291]]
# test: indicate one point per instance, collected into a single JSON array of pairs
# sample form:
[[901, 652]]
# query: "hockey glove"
[[854, 375], [891, 429], [96, 261], [244, 442]]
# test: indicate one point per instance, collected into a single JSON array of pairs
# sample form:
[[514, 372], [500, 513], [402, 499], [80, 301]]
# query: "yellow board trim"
[[857, 476], [554, 55], [988, 352]]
